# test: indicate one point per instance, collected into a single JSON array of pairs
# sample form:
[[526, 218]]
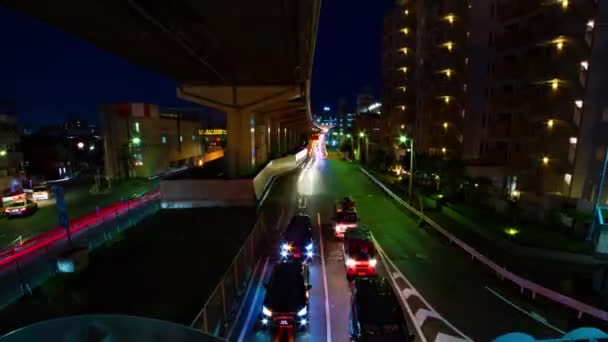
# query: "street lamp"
[[363, 135], [2, 153], [545, 160], [80, 145], [403, 139]]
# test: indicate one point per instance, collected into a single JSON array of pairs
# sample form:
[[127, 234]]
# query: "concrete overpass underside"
[[250, 59]]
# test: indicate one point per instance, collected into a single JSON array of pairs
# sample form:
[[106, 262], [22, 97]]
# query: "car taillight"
[[21, 209]]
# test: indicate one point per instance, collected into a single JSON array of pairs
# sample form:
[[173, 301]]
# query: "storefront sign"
[[214, 131]]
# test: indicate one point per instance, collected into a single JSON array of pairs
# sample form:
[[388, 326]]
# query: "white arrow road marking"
[[409, 292], [423, 314], [441, 337]]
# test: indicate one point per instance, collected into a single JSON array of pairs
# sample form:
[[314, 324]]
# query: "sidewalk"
[[570, 278]]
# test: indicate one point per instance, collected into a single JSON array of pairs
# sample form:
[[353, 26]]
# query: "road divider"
[[524, 284]]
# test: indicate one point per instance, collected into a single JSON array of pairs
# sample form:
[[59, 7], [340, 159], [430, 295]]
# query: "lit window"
[[404, 50], [449, 18], [137, 127], [406, 12], [554, 83], [181, 138], [564, 3], [163, 139], [585, 65], [567, 178], [405, 30], [404, 69], [590, 25], [573, 140], [194, 138], [559, 42], [448, 45], [579, 104]]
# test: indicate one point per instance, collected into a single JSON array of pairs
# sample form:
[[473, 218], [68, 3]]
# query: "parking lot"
[[79, 202]]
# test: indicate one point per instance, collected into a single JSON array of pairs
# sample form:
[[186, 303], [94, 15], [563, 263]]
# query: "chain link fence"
[[19, 274], [223, 304]]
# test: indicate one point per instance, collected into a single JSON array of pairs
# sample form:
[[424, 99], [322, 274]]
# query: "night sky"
[[50, 74]]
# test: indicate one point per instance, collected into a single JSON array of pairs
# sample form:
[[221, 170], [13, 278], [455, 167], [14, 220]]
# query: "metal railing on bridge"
[[222, 306], [25, 267]]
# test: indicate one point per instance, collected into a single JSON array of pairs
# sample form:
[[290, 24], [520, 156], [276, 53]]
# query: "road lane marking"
[[302, 202], [252, 307], [403, 299], [388, 262], [441, 337], [423, 314], [238, 315], [540, 319], [324, 270]]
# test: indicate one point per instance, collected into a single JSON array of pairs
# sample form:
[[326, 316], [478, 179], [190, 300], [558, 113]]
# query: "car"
[[20, 208], [286, 301], [40, 192], [8, 196], [345, 219], [359, 253], [375, 312], [345, 204], [297, 242]]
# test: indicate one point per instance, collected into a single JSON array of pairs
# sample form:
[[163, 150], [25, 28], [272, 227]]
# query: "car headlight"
[[309, 247], [284, 253], [285, 246], [373, 262], [351, 262], [302, 312], [266, 312]]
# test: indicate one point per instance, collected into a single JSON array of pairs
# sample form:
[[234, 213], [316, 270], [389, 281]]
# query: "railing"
[[523, 283], [222, 306], [27, 266]]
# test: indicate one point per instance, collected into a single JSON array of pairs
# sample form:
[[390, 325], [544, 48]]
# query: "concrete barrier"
[[193, 193]]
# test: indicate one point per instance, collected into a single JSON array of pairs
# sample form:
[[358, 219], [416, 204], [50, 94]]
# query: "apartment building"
[[424, 73], [546, 121]]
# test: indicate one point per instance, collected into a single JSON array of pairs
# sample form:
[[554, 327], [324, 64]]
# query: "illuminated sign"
[[215, 131]]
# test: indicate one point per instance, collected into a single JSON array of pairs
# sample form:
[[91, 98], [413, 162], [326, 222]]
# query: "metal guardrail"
[[29, 265], [536, 289], [222, 306]]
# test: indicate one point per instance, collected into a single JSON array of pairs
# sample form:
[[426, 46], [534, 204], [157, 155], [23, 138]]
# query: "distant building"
[[11, 158], [58, 151], [364, 100], [142, 140]]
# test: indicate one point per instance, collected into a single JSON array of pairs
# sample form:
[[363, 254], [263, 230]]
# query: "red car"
[[359, 253]]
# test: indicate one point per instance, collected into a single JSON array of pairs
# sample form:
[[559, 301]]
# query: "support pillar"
[[240, 148]]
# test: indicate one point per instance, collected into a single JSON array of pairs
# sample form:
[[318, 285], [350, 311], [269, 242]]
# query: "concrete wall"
[[192, 193]]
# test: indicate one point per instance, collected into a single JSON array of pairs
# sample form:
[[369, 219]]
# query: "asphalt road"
[[445, 291]]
